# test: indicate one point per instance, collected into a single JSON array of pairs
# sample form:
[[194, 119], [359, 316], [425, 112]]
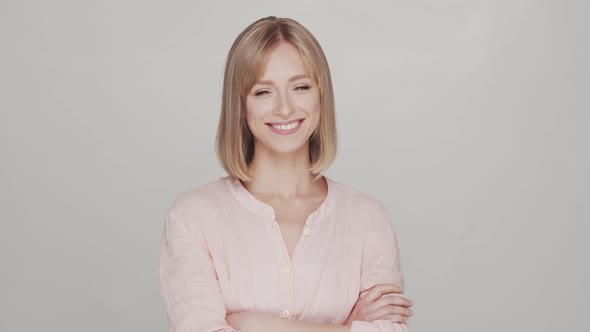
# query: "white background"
[[468, 119]]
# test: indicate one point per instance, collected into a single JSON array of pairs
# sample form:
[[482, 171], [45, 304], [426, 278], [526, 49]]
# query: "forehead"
[[283, 61]]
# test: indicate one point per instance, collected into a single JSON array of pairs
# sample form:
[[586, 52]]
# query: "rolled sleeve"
[[381, 264], [188, 281], [379, 325]]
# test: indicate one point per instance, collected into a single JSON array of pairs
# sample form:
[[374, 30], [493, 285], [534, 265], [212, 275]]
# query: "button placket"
[[287, 291], [286, 278], [285, 313], [306, 230]]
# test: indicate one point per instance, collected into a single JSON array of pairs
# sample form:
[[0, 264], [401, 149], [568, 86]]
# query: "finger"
[[386, 310], [403, 296], [378, 290], [385, 288], [390, 309], [395, 299]]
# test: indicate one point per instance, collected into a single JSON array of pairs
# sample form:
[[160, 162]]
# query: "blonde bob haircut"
[[247, 56]]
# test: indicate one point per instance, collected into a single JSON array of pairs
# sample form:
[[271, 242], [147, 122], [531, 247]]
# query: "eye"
[[261, 93], [302, 87]]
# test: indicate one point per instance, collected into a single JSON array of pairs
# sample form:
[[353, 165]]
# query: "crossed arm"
[[259, 322], [372, 305]]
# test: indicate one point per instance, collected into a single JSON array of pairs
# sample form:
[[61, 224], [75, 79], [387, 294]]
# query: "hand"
[[379, 302]]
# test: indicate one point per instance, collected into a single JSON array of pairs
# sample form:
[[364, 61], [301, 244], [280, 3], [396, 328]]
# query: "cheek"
[[309, 103], [255, 111], [257, 108], [252, 112]]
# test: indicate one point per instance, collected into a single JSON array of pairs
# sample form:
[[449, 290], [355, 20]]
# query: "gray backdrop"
[[468, 119]]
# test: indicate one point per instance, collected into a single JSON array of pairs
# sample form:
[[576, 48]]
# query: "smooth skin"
[[280, 177], [285, 92]]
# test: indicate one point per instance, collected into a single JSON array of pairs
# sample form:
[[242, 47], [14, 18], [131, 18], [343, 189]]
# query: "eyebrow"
[[293, 78]]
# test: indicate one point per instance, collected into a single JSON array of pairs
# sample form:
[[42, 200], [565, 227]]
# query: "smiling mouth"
[[285, 128], [284, 122]]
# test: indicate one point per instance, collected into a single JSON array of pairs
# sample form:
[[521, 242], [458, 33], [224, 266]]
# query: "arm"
[[260, 322], [188, 282], [381, 264]]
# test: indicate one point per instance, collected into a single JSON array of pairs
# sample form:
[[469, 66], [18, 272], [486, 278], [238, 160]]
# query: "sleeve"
[[380, 264], [188, 281]]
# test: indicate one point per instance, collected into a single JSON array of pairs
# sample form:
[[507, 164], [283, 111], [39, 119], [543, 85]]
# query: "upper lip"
[[283, 123]]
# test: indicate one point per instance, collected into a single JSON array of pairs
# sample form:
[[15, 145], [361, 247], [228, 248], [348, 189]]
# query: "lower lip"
[[286, 132]]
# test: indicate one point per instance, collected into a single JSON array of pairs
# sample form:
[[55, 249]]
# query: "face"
[[283, 108]]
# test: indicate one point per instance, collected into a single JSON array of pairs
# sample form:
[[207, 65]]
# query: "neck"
[[282, 174]]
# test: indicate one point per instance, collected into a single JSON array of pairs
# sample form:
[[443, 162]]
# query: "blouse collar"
[[265, 210]]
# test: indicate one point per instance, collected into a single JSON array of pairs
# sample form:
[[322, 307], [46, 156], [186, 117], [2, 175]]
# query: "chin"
[[286, 148]]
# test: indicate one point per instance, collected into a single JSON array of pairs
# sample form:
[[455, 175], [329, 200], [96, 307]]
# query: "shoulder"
[[365, 205], [351, 196], [199, 201]]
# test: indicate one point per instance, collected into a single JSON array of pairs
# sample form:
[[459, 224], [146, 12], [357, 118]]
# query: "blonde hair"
[[234, 144]]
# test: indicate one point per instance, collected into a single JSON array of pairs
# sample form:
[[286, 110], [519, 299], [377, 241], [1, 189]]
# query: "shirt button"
[[285, 313], [307, 231], [286, 268]]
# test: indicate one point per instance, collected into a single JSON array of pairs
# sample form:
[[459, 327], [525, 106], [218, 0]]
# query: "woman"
[[275, 245]]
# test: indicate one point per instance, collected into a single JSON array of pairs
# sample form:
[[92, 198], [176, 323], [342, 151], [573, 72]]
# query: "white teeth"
[[287, 127]]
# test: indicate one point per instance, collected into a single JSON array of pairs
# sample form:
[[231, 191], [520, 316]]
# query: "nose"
[[284, 105]]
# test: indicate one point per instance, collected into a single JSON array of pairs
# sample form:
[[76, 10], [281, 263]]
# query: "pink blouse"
[[222, 252]]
